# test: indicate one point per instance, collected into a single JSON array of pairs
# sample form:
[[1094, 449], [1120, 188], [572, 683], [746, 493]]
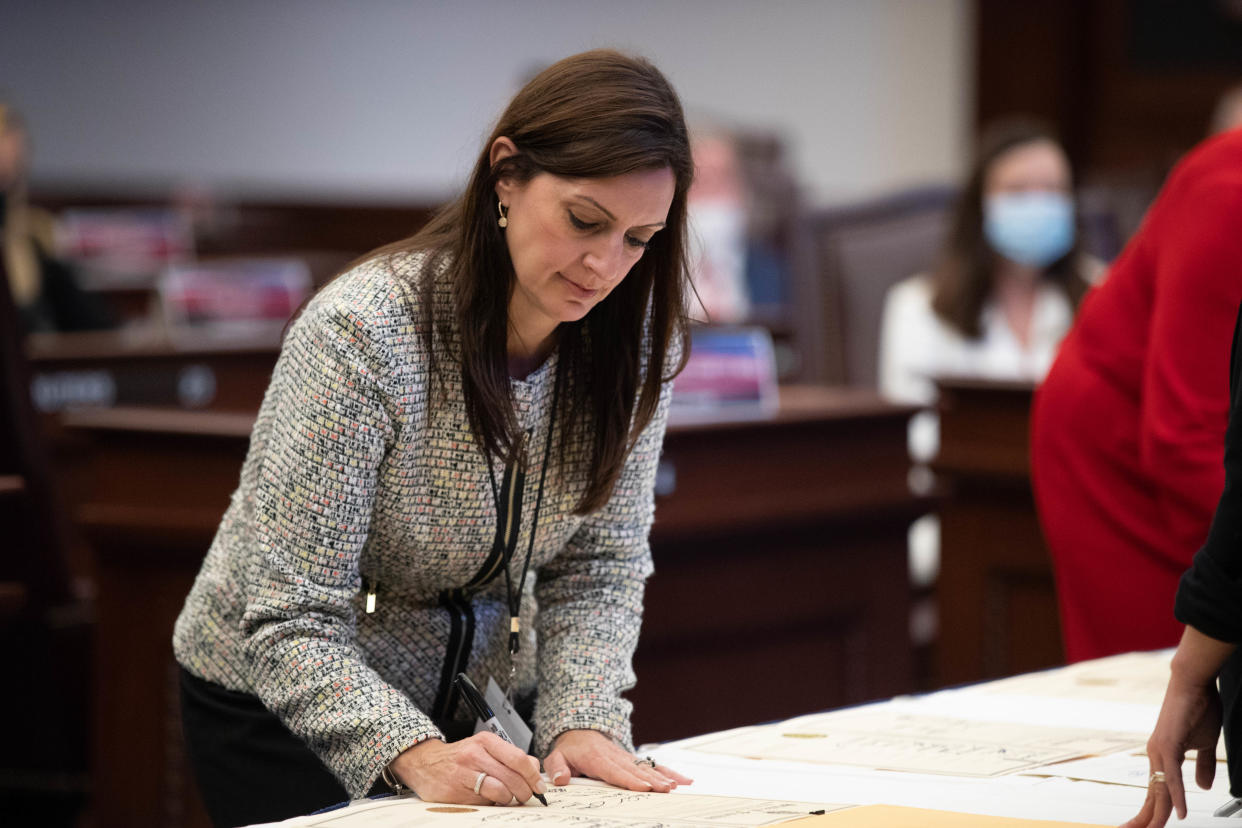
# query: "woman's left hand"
[[1189, 719], [591, 753]]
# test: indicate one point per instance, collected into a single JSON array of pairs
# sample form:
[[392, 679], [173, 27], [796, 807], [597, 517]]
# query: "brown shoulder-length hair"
[[592, 115], [962, 280]]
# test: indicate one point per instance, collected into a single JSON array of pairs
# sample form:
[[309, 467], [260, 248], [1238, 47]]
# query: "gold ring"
[[1157, 776], [646, 760], [478, 783]]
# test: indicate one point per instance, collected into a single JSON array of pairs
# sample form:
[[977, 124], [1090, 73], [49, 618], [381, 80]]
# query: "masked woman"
[[453, 470], [1007, 282], [1000, 298]]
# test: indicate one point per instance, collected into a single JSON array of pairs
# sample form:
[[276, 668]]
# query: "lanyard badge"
[[508, 503]]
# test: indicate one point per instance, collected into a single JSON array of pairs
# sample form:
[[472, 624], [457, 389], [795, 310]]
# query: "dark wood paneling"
[[1034, 59], [45, 628], [754, 627], [150, 368], [156, 486], [780, 551], [810, 583], [998, 610], [1081, 65]]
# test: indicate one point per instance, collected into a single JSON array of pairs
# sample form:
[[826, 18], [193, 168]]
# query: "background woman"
[[999, 301], [1008, 281], [453, 470]]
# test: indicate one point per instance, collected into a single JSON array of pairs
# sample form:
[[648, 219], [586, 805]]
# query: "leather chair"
[[859, 252]]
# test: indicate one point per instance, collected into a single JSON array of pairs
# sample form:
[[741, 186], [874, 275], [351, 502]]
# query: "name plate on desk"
[[191, 367], [235, 293], [190, 386], [731, 374], [123, 248]]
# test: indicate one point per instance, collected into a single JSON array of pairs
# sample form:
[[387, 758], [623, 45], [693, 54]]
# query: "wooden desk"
[[998, 608], [779, 547], [152, 487], [780, 551], [153, 367]]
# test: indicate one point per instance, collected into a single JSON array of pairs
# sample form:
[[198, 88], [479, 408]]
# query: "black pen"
[[479, 705]]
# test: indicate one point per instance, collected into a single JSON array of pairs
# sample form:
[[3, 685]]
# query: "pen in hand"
[[481, 709]]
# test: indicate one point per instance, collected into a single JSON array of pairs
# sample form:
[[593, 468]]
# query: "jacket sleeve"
[[1185, 399], [1209, 597], [590, 604], [317, 479]]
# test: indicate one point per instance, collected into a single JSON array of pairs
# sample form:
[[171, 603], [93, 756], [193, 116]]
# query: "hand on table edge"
[[1190, 718], [593, 754]]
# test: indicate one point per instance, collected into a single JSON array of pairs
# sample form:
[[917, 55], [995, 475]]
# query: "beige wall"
[[376, 98]]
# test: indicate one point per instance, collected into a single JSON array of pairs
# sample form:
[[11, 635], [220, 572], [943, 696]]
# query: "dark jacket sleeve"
[[1209, 597]]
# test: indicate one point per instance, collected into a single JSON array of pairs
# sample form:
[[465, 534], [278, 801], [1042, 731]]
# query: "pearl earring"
[[504, 214]]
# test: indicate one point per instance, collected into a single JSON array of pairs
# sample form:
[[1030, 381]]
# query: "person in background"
[[453, 472], [738, 271], [1209, 604], [44, 289], [999, 300], [1008, 280], [1127, 429], [717, 218]]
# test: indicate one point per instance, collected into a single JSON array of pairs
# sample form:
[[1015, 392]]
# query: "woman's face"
[[1028, 210], [1038, 165], [572, 240]]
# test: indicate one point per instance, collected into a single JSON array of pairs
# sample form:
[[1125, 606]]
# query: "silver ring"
[[478, 783], [1157, 776], [646, 760]]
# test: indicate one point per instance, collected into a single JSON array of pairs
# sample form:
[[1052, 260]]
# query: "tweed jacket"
[[362, 477]]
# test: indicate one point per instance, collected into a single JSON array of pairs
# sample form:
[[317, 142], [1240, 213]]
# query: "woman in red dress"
[[1128, 428]]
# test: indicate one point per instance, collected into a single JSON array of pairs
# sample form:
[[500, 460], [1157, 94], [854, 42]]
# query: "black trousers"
[[1231, 724], [249, 767]]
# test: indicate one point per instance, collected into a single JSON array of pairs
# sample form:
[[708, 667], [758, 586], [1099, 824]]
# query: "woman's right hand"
[[440, 772], [1190, 719]]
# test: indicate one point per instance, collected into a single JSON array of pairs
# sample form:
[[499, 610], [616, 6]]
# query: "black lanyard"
[[515, 598]]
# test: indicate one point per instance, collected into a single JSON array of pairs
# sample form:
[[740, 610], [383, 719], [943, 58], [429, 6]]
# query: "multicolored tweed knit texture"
[[359, 471]]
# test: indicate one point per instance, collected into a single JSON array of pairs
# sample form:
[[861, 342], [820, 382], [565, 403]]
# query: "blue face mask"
[[1033, 228]]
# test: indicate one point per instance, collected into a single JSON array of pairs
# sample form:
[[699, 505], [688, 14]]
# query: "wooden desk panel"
[[780, 550], [753, 626], [191, 370], [156, 485], [998, 608]]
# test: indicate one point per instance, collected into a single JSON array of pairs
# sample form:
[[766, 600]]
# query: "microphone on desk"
[[481, 709]]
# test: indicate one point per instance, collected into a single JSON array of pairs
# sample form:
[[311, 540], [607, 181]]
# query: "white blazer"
[[916, 346]]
